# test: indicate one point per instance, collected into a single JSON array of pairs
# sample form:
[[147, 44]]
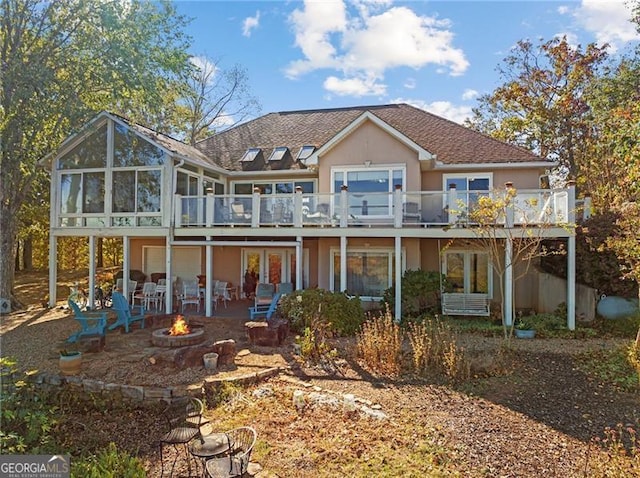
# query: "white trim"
[[506, 165]]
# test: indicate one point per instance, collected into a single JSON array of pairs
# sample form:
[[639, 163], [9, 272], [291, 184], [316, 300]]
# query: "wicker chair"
[[184, 422], [241, 442]]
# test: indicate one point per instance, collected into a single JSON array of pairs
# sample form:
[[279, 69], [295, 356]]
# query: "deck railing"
[[355, 209]]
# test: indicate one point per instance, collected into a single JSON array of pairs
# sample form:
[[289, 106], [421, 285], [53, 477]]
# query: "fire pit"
[[178, 335]]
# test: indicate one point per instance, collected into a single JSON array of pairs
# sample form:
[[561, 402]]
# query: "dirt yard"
[[535, 419]]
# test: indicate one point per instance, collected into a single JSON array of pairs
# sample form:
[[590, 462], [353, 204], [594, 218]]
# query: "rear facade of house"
[[341, 199]]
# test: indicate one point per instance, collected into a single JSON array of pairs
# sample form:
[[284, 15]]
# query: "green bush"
[[26, 418], [343, 314], [420, 293], [109, 463]]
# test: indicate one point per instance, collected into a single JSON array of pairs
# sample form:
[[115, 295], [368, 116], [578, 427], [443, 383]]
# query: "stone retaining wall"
[[141, 393]]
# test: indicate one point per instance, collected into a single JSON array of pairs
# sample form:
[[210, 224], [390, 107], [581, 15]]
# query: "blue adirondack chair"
[[265, 310], [91, 323], [126, 314]]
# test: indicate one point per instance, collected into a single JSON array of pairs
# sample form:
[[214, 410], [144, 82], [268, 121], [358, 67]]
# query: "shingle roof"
[[449, 141]]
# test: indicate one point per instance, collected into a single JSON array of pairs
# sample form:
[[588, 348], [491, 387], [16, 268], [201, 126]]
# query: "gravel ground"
[[535, 419]]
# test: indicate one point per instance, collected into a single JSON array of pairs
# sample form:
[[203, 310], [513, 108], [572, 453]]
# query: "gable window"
[[369, 189], [131, 150], [467, 271], [370, 271]]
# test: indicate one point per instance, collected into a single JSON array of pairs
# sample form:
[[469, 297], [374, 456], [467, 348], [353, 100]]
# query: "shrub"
[[26, 418], [109, 463], [621, 453], [343, 314], [420, 293], [379, 345], [435, 351]]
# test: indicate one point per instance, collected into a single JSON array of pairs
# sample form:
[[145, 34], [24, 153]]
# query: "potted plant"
[[70, 362], [524, 329]]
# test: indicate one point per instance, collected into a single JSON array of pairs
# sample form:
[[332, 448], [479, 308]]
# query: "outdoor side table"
[[209, 446]]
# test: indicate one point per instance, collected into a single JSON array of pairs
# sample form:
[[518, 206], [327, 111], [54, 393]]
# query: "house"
[[339, 199]]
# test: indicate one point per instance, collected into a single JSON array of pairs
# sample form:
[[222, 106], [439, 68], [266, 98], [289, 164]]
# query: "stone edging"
[[142, 393]]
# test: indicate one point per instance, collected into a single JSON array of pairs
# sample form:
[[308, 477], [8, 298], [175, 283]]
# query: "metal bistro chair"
[[241, 443], [184, 421]]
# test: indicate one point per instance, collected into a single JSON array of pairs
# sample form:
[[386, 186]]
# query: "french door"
[[273, 265]]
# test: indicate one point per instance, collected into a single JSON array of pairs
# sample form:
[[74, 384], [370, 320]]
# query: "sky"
[[436, 55]]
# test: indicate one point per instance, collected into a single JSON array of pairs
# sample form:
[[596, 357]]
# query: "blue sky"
[[438, 55]]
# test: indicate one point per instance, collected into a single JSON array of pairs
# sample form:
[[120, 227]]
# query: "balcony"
[[398, 209]]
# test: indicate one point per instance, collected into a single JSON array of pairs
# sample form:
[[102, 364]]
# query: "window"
[[369, 189], [467, 271], [305, 152], [82, 193], [370, 271], [278, 153], [467, 186], [250, 155], [281, 187], [132, 150], [90, 153]]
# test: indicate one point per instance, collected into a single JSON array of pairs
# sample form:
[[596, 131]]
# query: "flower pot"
[[70, 364], [525, 334]]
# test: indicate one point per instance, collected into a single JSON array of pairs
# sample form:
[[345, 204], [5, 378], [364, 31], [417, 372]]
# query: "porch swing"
[[461, 303]]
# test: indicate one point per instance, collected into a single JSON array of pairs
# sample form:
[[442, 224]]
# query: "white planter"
[[210, 361]]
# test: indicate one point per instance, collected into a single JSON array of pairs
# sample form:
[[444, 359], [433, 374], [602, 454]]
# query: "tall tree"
[[541, 104], [216, 99], [60, 62]]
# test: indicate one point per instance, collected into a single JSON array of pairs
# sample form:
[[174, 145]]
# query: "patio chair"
[[147, 295], [190, 294], [285, 288], [241, 443], [126, 315], [264, 293], [91, 323], [184, 421], [220, 292], [265, 310], [238, 213]]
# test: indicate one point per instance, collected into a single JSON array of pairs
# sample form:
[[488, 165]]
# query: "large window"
[[467, 271], [122, 189], [82, 193], [370, 271], [369, 189]]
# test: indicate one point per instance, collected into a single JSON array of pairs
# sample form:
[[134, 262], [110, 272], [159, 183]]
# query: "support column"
[[126, 272], [208, 293], [398, 267], [53, 269], [299, 284], [168, 296], [571, 259], [571, 283], [508, 282], [343, 263], [92, 272]]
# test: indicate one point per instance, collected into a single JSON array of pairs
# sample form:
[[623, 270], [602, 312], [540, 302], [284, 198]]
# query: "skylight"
[[278, 153], [250, 155], [305, 152]]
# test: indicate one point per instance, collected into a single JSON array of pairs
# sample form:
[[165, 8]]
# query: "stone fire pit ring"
[[161, 338]]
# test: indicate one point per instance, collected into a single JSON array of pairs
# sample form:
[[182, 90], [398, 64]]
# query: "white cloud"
[[363, 43], [444, 109], [470, 94], [410, 83], [354, 87], [250, 23], [609, 21]]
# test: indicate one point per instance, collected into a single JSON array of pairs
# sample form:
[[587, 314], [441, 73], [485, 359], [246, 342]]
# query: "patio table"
[[209, 446]]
